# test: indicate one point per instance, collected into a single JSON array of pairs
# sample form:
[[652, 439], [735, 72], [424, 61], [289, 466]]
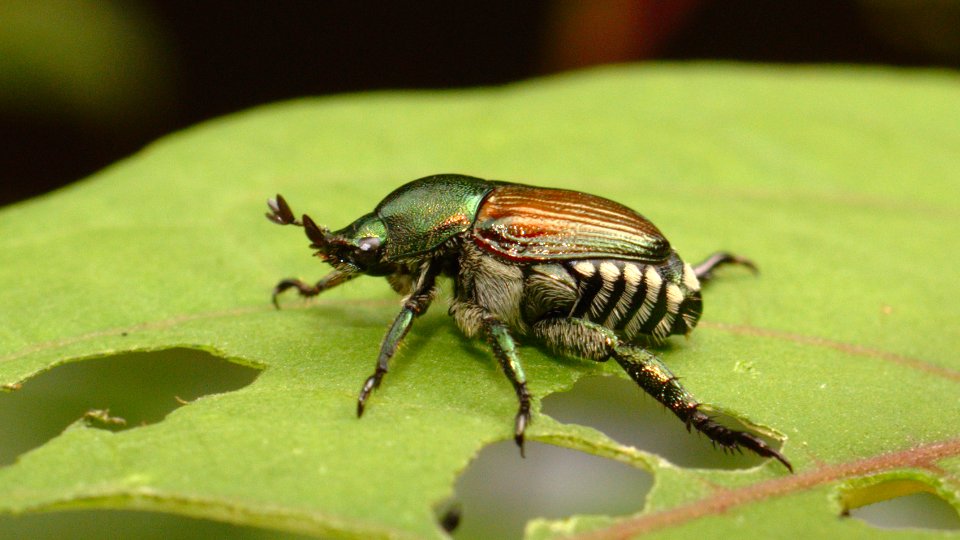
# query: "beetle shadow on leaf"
[[361, 315], [116, 393], [480, 352], [424, 330]]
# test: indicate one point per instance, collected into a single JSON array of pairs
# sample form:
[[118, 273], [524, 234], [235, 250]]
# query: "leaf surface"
[[840, 183]]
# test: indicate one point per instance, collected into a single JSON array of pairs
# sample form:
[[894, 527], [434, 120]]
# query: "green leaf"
[[841, 183]]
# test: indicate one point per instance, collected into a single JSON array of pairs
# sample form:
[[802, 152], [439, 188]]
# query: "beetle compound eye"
[[364, 253], [371, 243]]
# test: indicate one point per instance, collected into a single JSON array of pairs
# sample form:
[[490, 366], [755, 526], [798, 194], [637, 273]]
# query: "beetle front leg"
[[590, 340], [415, 305], [704, 270], [306, 290]]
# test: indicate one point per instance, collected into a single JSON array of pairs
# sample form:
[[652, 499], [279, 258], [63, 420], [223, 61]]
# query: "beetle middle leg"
[[474, 319], [582, 338], [704, 270], [505, 349], [415, 305]]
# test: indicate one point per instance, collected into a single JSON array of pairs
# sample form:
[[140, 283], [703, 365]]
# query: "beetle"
[[585, 275]]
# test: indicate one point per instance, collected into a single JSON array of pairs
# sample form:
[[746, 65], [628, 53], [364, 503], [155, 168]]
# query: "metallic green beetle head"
[[415, 219], [358, 247]]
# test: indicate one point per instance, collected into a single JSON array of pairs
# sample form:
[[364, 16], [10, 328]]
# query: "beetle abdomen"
[[637, 299]]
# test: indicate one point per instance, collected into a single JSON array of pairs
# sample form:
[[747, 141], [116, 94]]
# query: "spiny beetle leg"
[[505, 349], [372, 382], [704, 270], [415, 305], [522, 418], [731, 439], [588, 339], [305, 289], [328, 281], [657, 380], [399, 328]]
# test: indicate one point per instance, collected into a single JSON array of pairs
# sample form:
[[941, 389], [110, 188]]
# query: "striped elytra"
[[525, 223]]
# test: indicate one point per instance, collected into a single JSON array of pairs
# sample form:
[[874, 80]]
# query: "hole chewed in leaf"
[[895, 502], [500, 491], [116, 393], [624, 413]]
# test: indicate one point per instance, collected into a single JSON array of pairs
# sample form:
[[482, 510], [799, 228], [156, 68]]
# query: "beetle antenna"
[[280, 212], [316, 234]]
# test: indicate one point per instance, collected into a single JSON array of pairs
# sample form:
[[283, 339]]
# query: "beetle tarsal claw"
[[520, 427], [733, 440], [518, 436], [372, 382]]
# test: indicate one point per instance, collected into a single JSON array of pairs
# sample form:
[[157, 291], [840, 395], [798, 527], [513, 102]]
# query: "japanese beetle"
[[585, 275]]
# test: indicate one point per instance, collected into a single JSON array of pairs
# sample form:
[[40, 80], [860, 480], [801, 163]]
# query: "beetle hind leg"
[[704, 270], [657, 380], [730, 439], [590, 340]]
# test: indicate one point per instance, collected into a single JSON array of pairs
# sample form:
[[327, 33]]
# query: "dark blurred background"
[[84, 83]]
